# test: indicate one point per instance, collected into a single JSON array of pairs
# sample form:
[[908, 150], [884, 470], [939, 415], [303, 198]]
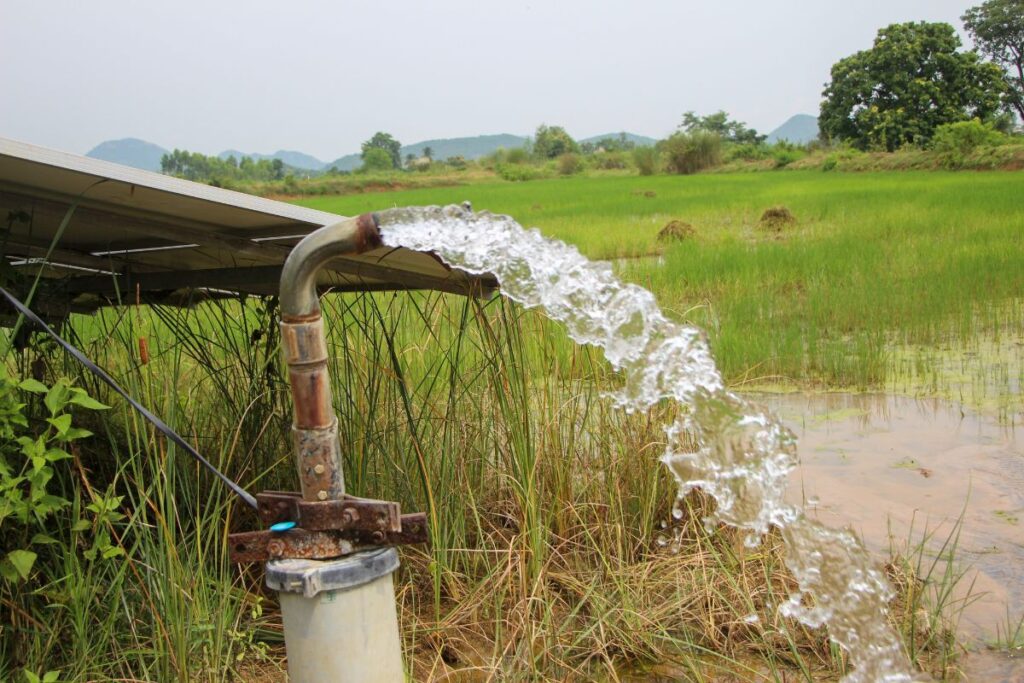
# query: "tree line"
[[220, 172]]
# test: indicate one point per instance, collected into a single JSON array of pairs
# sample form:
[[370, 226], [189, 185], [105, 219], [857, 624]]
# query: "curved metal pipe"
[[315, 427], [299, 299]]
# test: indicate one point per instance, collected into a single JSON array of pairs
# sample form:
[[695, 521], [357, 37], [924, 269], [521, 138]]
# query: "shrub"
[[516, 155], [692, 152], [518, 172], [830, 163], [646, 160], [748, 151], [569, 164], [610, 160], [784, 157], [954, 141], [495, 159], [31, 492]]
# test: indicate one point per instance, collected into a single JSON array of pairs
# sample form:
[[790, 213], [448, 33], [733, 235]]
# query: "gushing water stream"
[[742, 456]]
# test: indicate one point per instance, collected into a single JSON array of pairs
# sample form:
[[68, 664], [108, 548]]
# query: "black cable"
[[157, 422]]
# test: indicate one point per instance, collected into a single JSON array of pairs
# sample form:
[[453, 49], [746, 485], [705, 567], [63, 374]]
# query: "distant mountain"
[[130, 152], [467, 148], [291, 158], [799, 129], [349, 162], [638, 140]]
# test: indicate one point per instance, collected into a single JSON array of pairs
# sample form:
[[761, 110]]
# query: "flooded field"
[[893, 467]]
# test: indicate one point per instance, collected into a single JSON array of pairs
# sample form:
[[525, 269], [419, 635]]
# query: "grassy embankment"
[[546, 505]]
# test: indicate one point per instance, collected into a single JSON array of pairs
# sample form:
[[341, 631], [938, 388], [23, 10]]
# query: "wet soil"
[[892, 467]]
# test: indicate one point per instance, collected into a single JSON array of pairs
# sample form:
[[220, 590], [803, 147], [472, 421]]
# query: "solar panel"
[[137, 231]]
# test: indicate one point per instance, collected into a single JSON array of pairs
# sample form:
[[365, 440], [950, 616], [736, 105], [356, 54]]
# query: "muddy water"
[[885, 464]]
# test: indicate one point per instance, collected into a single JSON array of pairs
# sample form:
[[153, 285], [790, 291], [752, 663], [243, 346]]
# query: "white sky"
[[321, 77]]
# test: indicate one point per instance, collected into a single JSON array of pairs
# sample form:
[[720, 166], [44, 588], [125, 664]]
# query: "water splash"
[[723, 444]]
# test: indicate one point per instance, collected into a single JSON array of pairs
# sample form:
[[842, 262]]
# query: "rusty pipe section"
[[304, 344]]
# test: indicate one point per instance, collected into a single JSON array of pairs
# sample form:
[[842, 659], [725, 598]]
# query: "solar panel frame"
[[137, 231]]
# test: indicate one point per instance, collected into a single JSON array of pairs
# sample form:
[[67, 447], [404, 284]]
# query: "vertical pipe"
[[340, 616], [315, 428]]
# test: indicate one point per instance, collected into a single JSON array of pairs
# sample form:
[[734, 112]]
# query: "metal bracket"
[[325, 529], [348, 512]]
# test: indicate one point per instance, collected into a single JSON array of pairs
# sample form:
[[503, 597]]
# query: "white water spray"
[[743, 455]]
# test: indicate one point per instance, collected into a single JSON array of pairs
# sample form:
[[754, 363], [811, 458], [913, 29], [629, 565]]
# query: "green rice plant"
[[1010, 634], [933, 593], [878, 263]]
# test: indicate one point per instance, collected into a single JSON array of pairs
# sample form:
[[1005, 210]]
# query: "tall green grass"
[[547, 507]]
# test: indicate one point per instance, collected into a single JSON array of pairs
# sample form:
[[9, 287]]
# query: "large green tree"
[[377, 159], [552, 141], [913, 80], [384, 141], [721, 125], [997, 28]]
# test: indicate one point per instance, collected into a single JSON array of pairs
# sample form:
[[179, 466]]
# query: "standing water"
[[733, 450]]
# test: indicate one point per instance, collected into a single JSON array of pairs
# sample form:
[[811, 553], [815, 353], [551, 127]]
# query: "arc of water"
[[743, 455]]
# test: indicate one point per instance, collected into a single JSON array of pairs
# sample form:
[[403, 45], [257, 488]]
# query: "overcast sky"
[[321, 77]]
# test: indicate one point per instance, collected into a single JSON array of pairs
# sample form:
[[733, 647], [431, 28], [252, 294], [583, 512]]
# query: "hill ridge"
[[798, 129]]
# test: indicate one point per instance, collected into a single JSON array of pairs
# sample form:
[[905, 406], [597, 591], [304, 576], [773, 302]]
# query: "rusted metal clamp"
[[325, 529]]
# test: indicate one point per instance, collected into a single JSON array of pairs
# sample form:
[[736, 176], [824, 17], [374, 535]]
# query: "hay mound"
[[776, 218], [676, 231]]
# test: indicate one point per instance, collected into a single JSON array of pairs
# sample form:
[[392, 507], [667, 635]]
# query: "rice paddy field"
[[554, 554], [882, 280]]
